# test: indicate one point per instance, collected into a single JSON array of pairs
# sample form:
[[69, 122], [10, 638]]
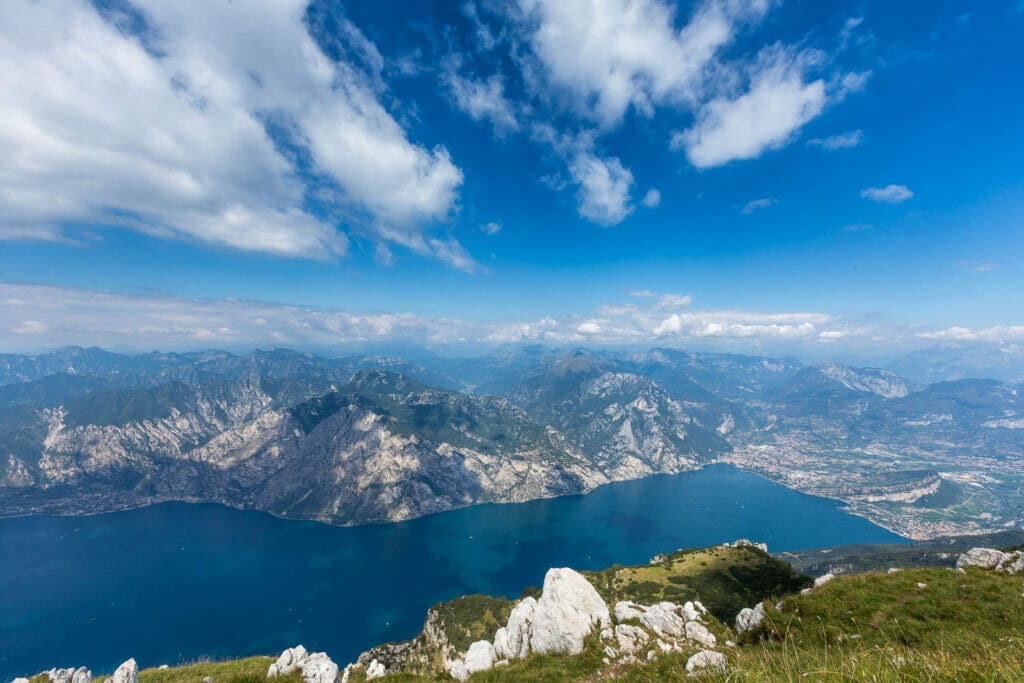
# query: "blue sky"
[[734, 173]]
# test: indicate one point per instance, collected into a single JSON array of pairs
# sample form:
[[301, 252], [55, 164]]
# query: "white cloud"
[[491, 228], [167, 132], [454, 254], [34, 316], [483, 100], [890, 194], [614, 54], [652, 199], [988, 334], [673, 301], [842, 141], [755, 204], [767, 116], [31, 327], [977, 266], [604, 188]]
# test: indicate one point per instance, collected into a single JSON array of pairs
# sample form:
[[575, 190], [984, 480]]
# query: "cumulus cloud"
[[33, 315], [755, 204], [483, 100], [988, 334], [841, 141], [604, 188], [890, 194], [611, 55], [652, 199], [186, 126], [37, 316], [777, 104]]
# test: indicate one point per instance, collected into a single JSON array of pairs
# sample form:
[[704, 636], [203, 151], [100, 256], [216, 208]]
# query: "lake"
[[174, 582]]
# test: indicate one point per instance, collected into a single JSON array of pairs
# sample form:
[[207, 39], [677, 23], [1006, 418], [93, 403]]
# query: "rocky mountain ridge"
[[376, 438]]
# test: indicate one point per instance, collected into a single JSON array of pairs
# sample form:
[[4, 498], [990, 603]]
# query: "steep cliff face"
[[380, 448]]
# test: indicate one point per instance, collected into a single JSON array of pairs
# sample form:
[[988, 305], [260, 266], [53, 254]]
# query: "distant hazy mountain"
[[375, 437]]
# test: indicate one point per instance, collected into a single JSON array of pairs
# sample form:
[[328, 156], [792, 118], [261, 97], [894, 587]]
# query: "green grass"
[[471, 618], [870, 627], [725, 580], [247, 670]]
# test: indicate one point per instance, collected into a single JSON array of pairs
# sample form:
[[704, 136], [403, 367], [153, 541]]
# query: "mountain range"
[[372, 438]]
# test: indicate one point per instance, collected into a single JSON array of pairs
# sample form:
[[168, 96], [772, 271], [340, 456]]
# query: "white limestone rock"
[[748, 619], [626, 610], [1013, 565], [513, 640], [290, 660], [375, 669], [692, 611], [479, 657], [704, 661], [985, 558], [822, 580], [699, 633], [20, 680], [319, 668], [128, 672], [568, 611], [663, 618], [60, 675], [630, 638], [81, 675], [744, 543]]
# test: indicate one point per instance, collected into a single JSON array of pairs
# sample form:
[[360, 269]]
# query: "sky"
[[743, 174]]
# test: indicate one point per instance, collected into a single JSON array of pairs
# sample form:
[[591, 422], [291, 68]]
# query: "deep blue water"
[[174, 582]]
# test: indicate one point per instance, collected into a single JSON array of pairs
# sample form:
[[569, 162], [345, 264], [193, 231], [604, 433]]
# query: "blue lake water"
[[175, 582]]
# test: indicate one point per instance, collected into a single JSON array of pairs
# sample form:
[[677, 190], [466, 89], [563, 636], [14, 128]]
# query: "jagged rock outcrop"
[[290, 660], [567, 612], [480, 657], [316, 667], [128, 672], [745, 543], [750, 618], [989, 558], [79, 675], [513, 640]]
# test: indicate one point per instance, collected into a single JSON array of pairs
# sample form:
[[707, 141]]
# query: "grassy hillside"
[[928, 624]]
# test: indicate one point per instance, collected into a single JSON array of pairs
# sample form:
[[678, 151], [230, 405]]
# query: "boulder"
[[479, 657], [748, 619], [692, 611], [822, 580], [626, 610], [985, 558], [128, 672], [60, 675], [20, 680], [699, 633], [567, 612], [1013, 565], [663, 618], [631, 638], [374, 670], [513, 640], [319, 668], [290, 660], [705, 660]]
